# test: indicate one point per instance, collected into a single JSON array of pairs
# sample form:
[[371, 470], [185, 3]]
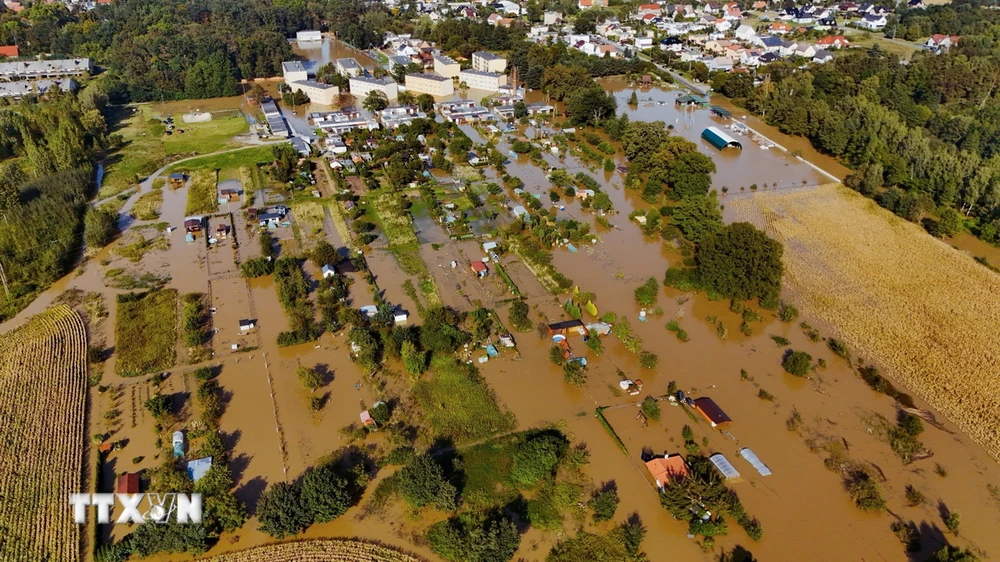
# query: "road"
[[700, 90]]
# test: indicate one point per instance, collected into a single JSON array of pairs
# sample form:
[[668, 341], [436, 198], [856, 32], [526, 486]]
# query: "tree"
[[325, 494], [99, 226], [425, 102], [380, 412], [647, 293], [414, 360], [422, 483], [633, 100], [697, 217], [282, 512], [590, 105], [950, 553], [467, 539], [325, 254], [952, 521], [740, 262], [575, 373], [375, 101], [159, 405], [286, 160], [310, 378], [519, 316], [604, 503], [520, 110], [537, 458], [797, 363], [406, 98], [651, 408]]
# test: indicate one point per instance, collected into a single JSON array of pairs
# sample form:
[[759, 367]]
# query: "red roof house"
[[480, 269], [662, 469], [9, 51], [128, 483], [833, 42]]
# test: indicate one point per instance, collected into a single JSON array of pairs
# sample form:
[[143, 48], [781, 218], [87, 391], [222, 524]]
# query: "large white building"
[[308, 36], [19, 89], [488, 62], [430, 84], [294, 71], [318, 92], [349, 67], [361, 85], [486, 81], [34, 69], [446, 66]]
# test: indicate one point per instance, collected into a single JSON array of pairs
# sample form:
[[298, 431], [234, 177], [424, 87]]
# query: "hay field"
[[43, 394], [922, 311], [319, 550]]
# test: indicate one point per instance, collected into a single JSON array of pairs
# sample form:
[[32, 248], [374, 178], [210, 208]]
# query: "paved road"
[[698, 89]]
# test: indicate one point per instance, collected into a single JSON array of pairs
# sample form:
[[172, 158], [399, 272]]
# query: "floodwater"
[[329, 50]]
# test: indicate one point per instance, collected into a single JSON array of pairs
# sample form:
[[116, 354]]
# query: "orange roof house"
[[833, 42], [662, 469], [128, 483], [711, 411], [9, 51]]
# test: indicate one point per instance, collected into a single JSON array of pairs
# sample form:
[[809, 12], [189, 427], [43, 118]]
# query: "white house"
[[509, 7], [939, 41], [294, 71], [329, 271], [872, 22], [446, 66], [745, 33], [488, 62], [362, 85], [822, 55], [308, 36]]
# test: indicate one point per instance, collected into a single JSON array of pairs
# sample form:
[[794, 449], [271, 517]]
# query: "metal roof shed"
[[719, 139], [723, 465], [721, 111], [751, 458]]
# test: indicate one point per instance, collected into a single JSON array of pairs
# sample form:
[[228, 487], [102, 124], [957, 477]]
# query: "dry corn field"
[[320, 550], [924, 312], [43, 370]]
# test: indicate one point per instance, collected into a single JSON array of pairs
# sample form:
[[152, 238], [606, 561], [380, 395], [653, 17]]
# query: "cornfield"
[[922, 311], [320, 550], [43, 382]]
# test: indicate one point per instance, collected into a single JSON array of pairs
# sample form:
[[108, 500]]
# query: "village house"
[[36, 69], [872, 22], [745, 33], [480, 269], [833, 42], [584, 4], [666, 468], [940, 42], [648, 9], [11, 51], [822, 55], [780, 28], [711, 412]]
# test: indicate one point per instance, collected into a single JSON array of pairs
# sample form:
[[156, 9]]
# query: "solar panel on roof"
[[724, 466], [754, 461]]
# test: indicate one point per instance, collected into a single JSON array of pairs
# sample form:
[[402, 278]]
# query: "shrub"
[[952, 521], [574, 373], [647, 293], [765, 395], [787, 312], [838, 348], [797, 363], [556, 355], [865, 491], [651, 408], [422, 483], [648, 360], [536, 459], [914, 497], [780, 341], [604, 504]]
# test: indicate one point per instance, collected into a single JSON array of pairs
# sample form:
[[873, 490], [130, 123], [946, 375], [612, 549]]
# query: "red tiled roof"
[[9, 51], [128, 483], [663, 469]]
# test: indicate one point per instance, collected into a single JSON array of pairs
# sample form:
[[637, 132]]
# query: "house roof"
[[665, 468], [197, 468], [479, 266], [565, 325], [711, 411], [9, 51], [128, 483]]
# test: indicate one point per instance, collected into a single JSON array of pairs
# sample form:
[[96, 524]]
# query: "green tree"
[[604, 504], [159, 405], [647, 293], [950, 553], [99, 226], [519, 316], [574, 373], [633, 100], [422, 483], [414, 360], [375, 101], [697, 217], [740, 262], [325, 254], [651, 407], [797, 363], [380, 412], [536, 459], [425, 102], [310, 378], [325, 494], [282, 512]]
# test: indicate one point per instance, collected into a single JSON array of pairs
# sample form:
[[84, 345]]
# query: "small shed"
[[367, 420], [177, 178], [400, 316], [480, 269], [192, 224], [755, 462], [692, 100], [369, 310], [128, 483], [197, 468], [719, 139], [723, 465], [489, 246], [567, 326], [178, 442], [721, 112], [711, 411], [247, 324], [329, 271]]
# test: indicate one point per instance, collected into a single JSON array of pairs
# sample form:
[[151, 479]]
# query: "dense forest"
[[46, 175], [928, 130]]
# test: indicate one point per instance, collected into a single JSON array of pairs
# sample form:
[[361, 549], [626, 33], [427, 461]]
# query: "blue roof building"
[[197, 468]]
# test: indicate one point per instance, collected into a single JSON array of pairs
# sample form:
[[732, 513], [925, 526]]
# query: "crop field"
[[459, 404], [202, 196], [923, 312], [146, 332], [43, 385], [320, 550]]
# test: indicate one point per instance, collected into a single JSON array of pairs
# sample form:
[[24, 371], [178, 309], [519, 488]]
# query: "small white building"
[[400, 316], [446, 66], [552, 18], [308, 36], [329, 271], [247, 324], [349, 67], [362, 85]]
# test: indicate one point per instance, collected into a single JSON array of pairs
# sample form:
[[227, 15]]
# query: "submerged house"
[[128, 483], [692, 100], [711, 412], [719, 139], [566, 327], [666, 468], [480, 269]]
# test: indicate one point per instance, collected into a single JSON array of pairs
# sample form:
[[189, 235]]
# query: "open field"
[[141, 154], [146, 332], [206, 137], [320, 550], [147, 207], [898, 297], [43, 370], [250, 156], [459, 404], [202, 196]]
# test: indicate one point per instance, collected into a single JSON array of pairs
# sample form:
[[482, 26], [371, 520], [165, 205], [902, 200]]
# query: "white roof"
[[724, 466], [751, 458], [178, 437]]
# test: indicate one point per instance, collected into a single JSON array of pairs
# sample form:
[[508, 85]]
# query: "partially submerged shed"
[[197, 468], [720, 139], [711, 411], [567, 326]]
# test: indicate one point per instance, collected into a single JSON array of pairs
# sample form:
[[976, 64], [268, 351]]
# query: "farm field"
[[322, 550], [43, 370], [146, 331], [897, 296]]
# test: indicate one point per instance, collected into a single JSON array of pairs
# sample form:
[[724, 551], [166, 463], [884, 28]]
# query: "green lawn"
[[250, 156], [458, 404], [141, 153], [145, 332], [487, 469], [210, 136], [202, 195]]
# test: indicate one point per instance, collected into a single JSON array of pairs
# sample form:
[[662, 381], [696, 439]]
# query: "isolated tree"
[[536, 458], [797, 363], [633, 100], [519, 316], [325, 254], [380, 412], [325, 494], [310, 378], [574, 373], [604, 503], [281, 511], [422, 483], [375, 101], [740, 262]]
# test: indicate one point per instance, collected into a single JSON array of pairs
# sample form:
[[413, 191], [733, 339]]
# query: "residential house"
[[940, 42], [751, 57], [915, 5], [323, 94], [362, 85], [128, 483], [328, 271], [486, 81], [780, 28], [759, 6], [768, 58], [294, 71], [732, 13], [642, 43], [446, 66], [822, 55], [247, 324], [480, 269], [35, 69], [9, 51], [805, 50], [826, 23], [648, 9], [552, 18], [488, 62], [666, 468], [21, 88], [770, 44], [833, 42], [508, 7], [872, 22], [745, 33], [722, 25], [584, 4]]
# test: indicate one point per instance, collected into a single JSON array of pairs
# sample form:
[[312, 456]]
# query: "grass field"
[[210, 136], [458, 404], [141, 154], [487, 469], [250, 156], [317, 550], [145, 332], [202, 196], [923, 312], [43, 386], [147, 207]]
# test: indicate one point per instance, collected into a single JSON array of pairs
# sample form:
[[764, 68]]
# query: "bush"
[[914, 497], [865, 491], [787, 312], [556, 355], [604, 504], [574, 373], [651, 408], [952, 521], [797, 363], [647, 293], [519, 316], [281, 511], [648, 360], [422, 483], [536, 459]]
